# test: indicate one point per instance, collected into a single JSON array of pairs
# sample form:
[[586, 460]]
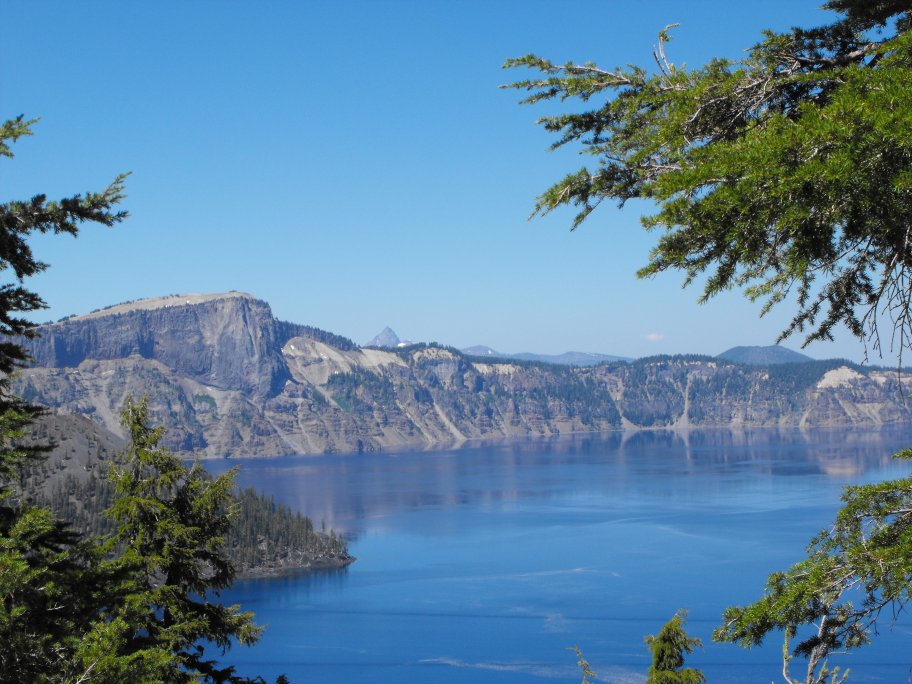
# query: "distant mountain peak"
[[763, 356], [385, 338]]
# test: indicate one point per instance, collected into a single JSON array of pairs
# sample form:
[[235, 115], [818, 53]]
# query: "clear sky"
[[355, 165]]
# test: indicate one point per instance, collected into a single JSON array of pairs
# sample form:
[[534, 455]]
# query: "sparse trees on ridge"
[[789, 174]]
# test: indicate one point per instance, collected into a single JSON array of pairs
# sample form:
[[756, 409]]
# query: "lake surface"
[[486, 564]]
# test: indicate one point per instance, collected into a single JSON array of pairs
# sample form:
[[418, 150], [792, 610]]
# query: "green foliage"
[[139, 606], [786, 171], [287, 331], [668, 648], [263, 537], [50, 593], [265, 534], [170, 564], [360, 390], [46, 579], [18, 221], [854, 570]]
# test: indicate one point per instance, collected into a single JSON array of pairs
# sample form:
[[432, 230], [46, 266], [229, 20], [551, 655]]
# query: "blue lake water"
[[486, 564]]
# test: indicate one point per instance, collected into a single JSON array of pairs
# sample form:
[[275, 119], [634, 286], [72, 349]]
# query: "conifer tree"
[[171, 525], [788, 172], [668, 648], [138, 607], [46, 583]]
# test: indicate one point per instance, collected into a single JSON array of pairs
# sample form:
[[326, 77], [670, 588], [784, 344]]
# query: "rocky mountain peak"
[[385, 338]]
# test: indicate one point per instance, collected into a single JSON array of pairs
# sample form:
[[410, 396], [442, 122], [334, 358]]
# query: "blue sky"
[[356, 165]]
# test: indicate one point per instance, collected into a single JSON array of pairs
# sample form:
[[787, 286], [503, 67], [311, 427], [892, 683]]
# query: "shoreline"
[[280, 571]]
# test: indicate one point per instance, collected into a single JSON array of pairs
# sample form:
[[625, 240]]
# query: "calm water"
[[486, 564]]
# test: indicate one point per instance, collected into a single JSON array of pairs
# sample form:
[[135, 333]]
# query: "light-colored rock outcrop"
[[227, 379]]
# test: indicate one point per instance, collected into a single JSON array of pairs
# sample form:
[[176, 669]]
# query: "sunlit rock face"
[[228, 379]]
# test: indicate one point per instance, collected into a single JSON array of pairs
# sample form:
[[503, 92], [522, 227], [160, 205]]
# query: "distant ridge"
[[571, 358], [763, 356]]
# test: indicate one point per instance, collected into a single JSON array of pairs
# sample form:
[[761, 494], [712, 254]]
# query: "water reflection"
[[296, 588], [359, 492], [482, 565]]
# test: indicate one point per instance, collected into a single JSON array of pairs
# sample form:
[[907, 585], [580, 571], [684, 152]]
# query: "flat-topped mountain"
[[165, 302], [228, 379], [763, 356], [228, 341]]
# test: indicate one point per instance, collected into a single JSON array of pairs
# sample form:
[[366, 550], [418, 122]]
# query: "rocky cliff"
[[229, 341], [227, 379]]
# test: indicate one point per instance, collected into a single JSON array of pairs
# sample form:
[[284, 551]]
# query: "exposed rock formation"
[[385, 338], [227, 379]]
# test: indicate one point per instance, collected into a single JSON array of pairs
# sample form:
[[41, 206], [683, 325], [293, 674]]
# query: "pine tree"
[[172, 520], [138, 607], [46, 583], [668, 648], [786, 173]]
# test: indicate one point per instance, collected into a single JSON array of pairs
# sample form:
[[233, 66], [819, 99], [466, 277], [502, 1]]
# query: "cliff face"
[[227, 379], [229, 342]]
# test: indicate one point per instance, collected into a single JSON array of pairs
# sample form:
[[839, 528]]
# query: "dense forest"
[[265, 538]]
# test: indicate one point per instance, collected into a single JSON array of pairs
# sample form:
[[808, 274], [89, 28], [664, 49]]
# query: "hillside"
[[228, 379], [266, 539], [763, 356]]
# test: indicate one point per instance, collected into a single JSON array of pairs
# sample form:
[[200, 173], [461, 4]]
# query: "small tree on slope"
[[668, 648]]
